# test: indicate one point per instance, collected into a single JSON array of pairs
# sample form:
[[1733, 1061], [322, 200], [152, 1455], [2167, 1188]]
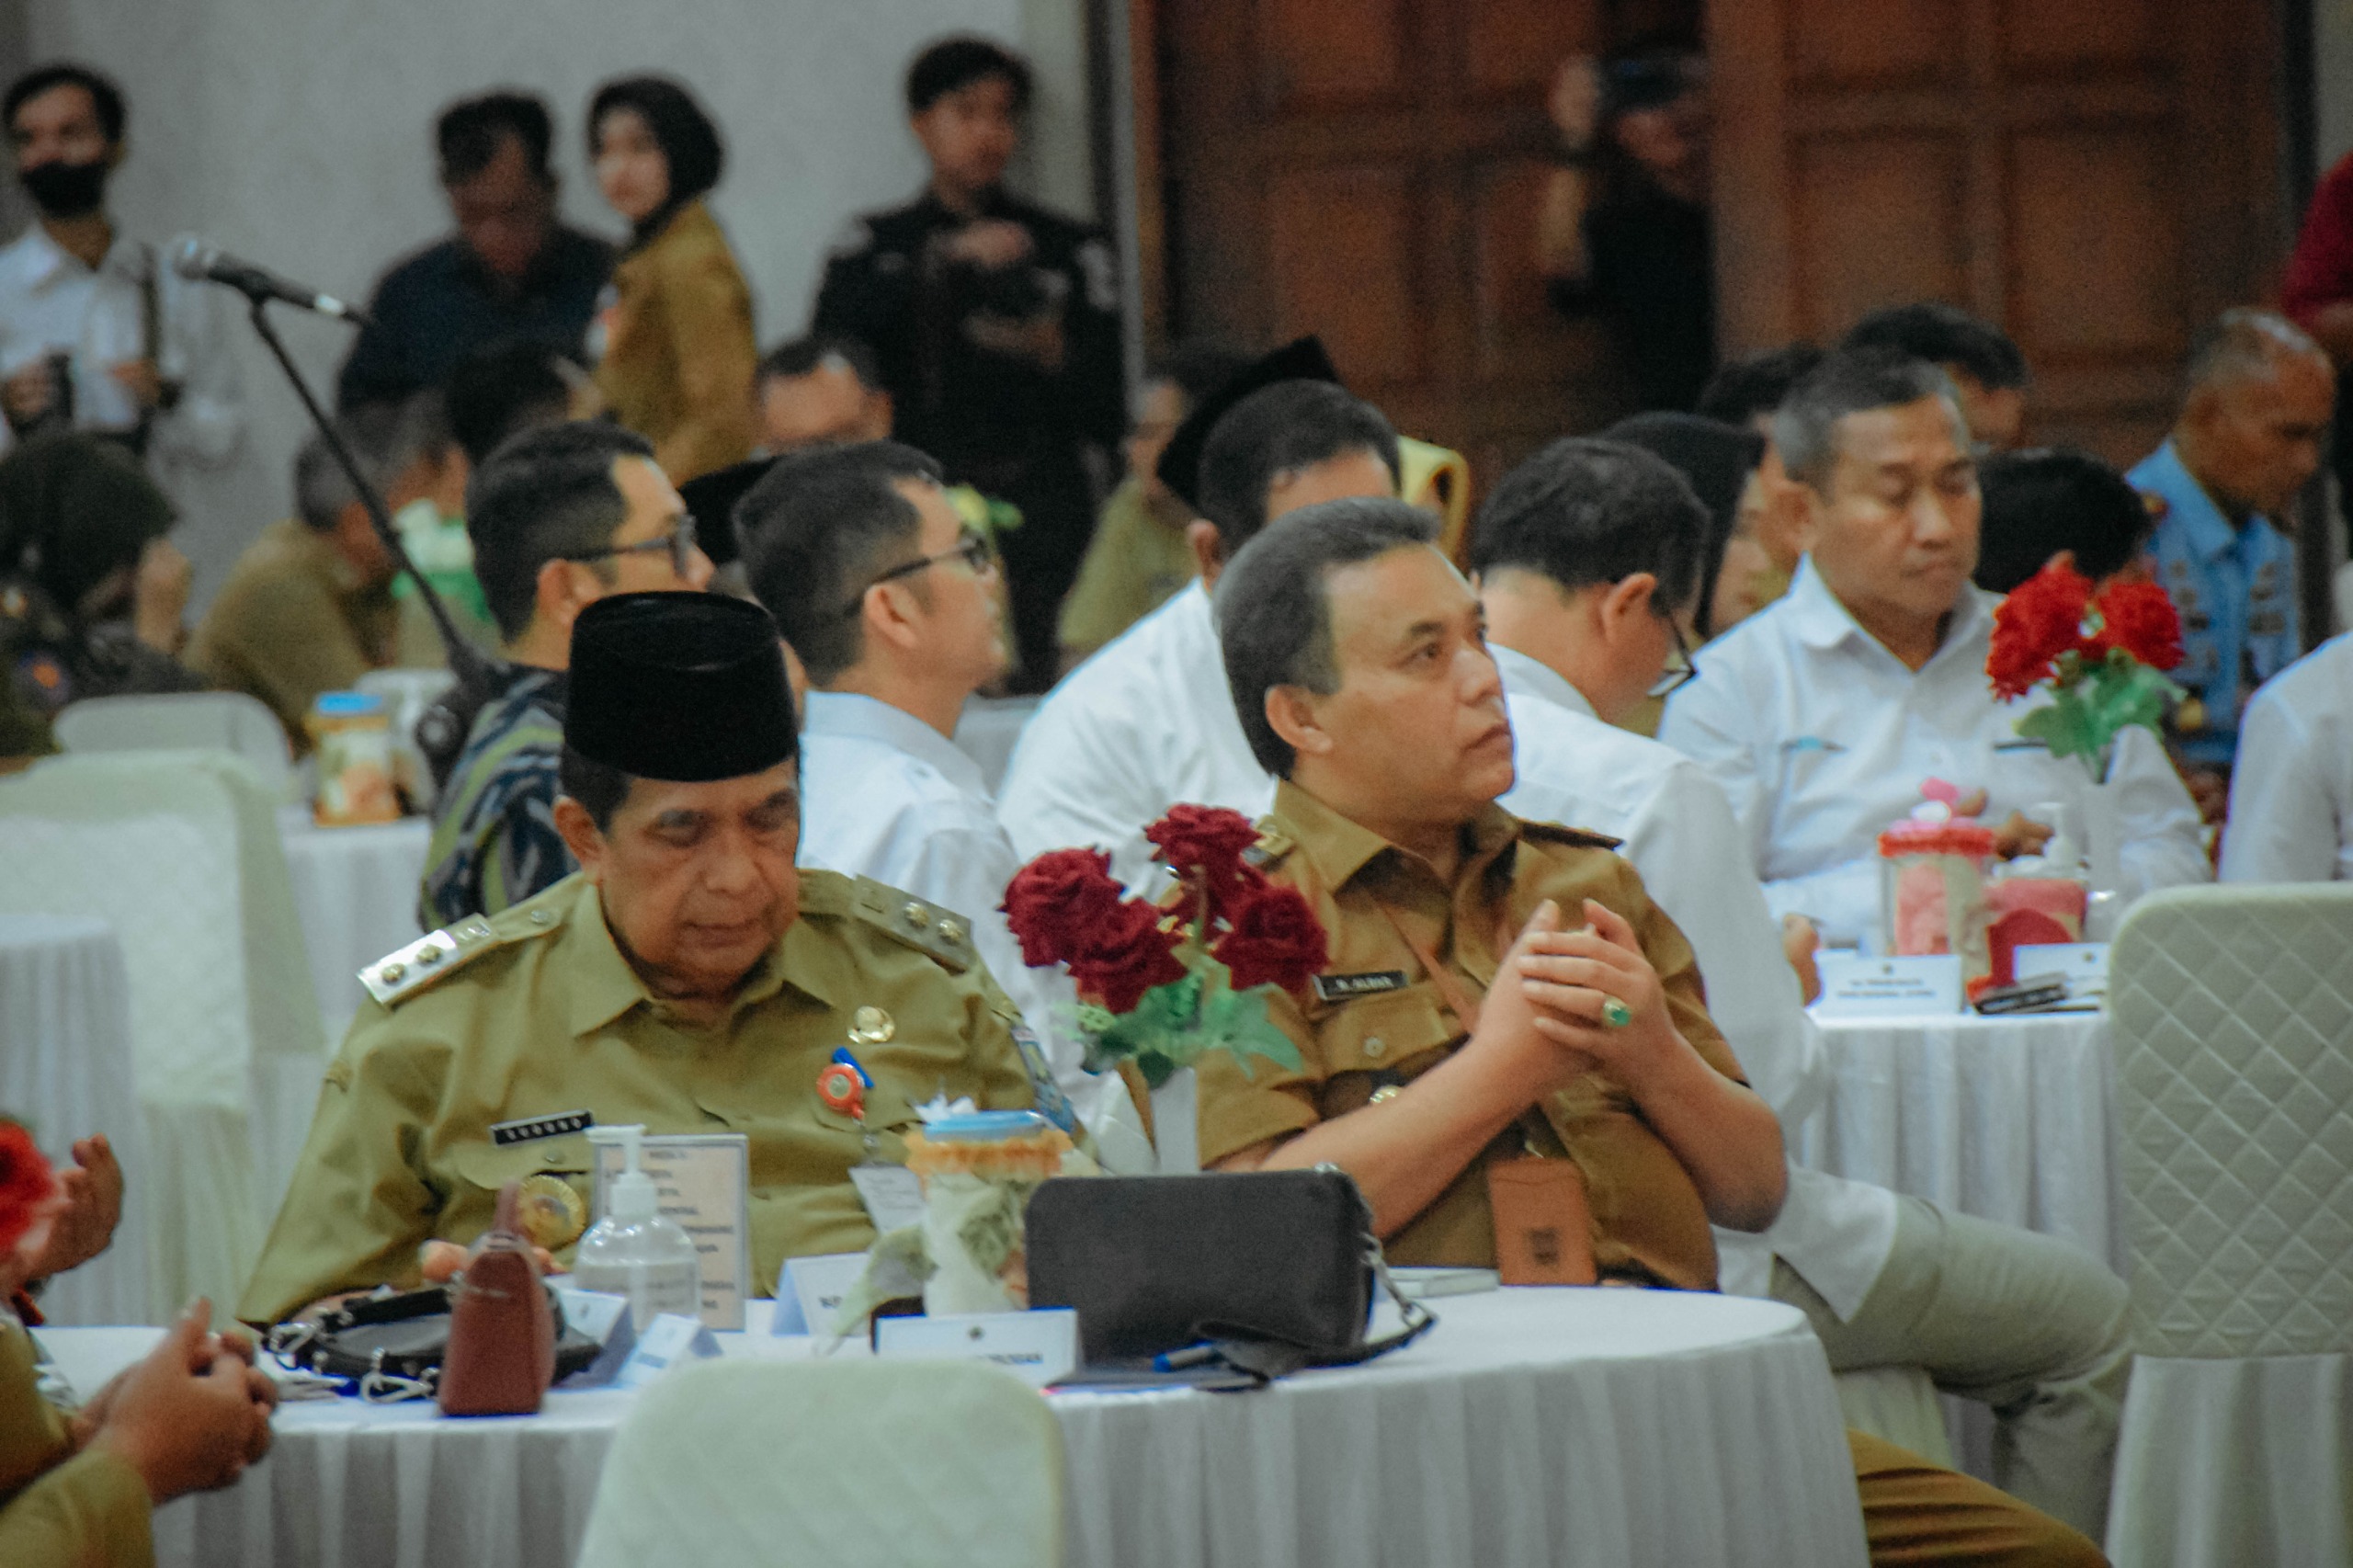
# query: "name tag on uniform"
[[702, 1180], [1346, 987], [531, 1129]]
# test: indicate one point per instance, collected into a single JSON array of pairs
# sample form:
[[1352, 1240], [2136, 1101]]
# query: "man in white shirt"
[[1583, 554], [97, 332], [1147, 722], [2291, 794], [1822, 716], [895, 609]]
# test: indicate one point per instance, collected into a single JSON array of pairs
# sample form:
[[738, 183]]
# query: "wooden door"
[[1371, 170], [2100, 177]]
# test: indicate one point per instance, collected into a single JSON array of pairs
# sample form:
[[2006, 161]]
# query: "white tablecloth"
[[1530, 1427], [2006, 1119], [355, 889], [65, 1067]]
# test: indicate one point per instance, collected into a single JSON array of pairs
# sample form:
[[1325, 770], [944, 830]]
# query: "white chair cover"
[[2234, 1032], [180, 851], [832, 1464], [211, 721]]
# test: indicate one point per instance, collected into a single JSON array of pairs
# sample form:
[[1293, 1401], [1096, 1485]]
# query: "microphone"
[[202, 263]]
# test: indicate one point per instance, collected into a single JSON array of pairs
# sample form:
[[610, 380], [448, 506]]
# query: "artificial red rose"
[[1123, 955], [2140, 619], [25, 1184], [1055, 900], [1274, 940], [2042, 619], [1205, 844]]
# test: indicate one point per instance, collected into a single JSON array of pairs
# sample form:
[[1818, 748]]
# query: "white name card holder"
[[809, 1291], [1854, 986], [703, 1182], [1040, 1346], [670, 1340], [2084, 965]]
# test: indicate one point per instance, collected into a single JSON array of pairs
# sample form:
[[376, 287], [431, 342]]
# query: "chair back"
[[211, 720], [2232, 1010], [178, 850], [850, 1463]]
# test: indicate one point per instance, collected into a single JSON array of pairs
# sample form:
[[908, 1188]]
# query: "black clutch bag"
[[393, 1345], [1275, 1271]]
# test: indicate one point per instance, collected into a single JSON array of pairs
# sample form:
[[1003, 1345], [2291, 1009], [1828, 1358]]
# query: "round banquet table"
[[1529, 1427], [355, 889], [2010, 1119], [65, 1067]]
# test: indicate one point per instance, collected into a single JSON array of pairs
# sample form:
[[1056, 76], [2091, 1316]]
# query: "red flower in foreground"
[[2042, 619], [1054, 902], [1123, 955], [25, 1184], [1275, 939], [1205, 844], [2140, 619]]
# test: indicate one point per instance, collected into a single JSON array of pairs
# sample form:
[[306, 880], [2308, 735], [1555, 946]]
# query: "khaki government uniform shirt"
[[295, 620], [678, 355], [1649, 1223], [537, 1013], [1136, 562], [89, 1510]]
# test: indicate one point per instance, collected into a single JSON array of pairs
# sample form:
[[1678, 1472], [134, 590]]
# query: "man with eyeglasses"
[[1822, 715], [895, 609], [559, 516], [1582, 555]]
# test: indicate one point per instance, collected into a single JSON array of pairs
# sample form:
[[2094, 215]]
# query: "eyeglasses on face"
[[1680, 669], [679, 541], [972, 548]]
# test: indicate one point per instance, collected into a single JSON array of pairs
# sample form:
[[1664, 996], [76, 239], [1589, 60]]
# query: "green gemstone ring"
[[1616, 1014]]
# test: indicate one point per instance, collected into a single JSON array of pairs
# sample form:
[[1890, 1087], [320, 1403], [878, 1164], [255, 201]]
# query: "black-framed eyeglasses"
[[972, 548], [679, 541], [1677, 673]]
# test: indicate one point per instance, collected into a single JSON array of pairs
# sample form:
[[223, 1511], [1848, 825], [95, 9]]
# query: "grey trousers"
[[2030, 1325]]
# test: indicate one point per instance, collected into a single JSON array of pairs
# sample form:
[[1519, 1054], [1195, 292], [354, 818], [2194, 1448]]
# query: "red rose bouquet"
[[1161, 983], [26, 1186], [2099, 656]]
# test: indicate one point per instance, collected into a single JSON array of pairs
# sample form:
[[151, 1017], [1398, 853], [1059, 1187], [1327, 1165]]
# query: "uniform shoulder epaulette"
[[434, 957], [941, 933], [1553, 833], [1272, 845], [2155, 504]]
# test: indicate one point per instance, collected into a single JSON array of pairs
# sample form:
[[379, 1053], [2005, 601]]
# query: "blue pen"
[[842, 1055]]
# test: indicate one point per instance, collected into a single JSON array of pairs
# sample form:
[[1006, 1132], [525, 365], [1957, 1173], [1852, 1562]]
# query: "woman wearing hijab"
[[675, 327], [91, 592]]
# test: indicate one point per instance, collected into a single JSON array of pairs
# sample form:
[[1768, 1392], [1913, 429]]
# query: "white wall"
[[2333, 78], [297, 133]]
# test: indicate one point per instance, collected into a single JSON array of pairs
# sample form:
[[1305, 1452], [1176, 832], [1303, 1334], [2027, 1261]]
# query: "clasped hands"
[[191, 1416], [1557, 1013]]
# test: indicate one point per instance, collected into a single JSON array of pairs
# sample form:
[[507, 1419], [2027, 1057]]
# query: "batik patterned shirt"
[[495, 842]]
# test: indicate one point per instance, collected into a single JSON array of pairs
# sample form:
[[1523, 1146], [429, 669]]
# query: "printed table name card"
[[1854, 986], [703, 1182], [1040, 1346], [669, 1340], [2083, 964], [809, 1291]]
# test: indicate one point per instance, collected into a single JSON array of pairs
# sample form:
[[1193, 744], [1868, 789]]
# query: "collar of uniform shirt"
[[609, 986], [46, 262], [2200, 518], [850, 715], [1341, 849], [1821, 621]]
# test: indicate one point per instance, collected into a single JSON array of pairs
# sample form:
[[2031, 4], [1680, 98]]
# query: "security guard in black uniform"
[[995, 324]]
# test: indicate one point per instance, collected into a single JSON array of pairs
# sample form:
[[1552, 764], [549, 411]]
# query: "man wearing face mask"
[[95, 332]]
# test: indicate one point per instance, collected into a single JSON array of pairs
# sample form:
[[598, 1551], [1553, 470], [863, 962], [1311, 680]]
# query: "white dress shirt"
[[2291, 793], [52, 303], [1821, 737], [1679, 833], [1145, 725], [884, 795]]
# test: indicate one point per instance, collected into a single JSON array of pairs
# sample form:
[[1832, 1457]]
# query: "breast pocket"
[[558, 1180], [1398, 1033]]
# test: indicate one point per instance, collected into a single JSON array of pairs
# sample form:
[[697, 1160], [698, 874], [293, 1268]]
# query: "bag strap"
[[1269, 1356]]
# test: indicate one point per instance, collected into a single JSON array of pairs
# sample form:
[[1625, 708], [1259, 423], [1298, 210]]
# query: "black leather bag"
[[392, 1346], [1275, 1269]]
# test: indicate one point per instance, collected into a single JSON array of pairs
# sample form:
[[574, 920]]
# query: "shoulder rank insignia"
[[404, 971], [1272, 845], [2156, 505], [1553, 833], [926, 927]]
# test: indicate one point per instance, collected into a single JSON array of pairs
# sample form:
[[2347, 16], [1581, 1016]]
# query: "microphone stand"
[[440, 733]]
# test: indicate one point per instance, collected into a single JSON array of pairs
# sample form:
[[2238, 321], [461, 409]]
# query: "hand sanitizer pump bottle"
[[633, 1251]]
